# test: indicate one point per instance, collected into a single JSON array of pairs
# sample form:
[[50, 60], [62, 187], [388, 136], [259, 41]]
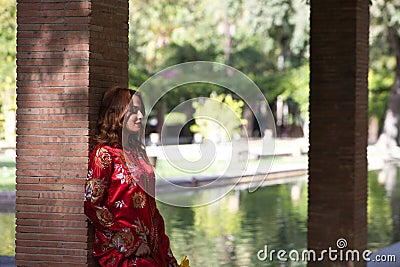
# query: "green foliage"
[[7, 62], [166, 32], [7, 174], [383, 63], [292, 83], [218, 118], [298, 88], [282, 28], [263, 32], [175, 54], [252, 61], [384, 49], [177, 95], [7, 179], [266, 40], [137, 76], [7, 30], [175, 118], [155, 25], [380, 81]]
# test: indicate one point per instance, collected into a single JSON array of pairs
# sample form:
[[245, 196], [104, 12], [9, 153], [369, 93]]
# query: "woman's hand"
[[143, 250]]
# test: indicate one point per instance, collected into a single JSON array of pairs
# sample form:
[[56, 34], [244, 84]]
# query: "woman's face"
[[134, 115]]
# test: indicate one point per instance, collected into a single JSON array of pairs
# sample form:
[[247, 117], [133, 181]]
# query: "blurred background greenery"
[[268, 40]]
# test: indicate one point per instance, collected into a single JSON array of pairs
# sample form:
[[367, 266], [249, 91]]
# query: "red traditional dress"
[[123, 213]]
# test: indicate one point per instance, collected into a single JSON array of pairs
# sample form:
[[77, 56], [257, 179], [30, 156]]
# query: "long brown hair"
[[114, 106]]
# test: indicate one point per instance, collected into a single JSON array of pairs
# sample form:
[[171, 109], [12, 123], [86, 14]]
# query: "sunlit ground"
[[166, 168]]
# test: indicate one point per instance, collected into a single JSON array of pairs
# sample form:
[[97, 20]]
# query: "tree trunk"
[[249, 117], [160, 116], [390, 135]]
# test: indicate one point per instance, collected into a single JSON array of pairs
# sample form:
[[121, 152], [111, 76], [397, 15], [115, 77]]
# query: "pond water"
[[232, 230]]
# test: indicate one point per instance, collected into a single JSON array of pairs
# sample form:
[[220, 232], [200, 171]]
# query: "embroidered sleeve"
[[97, 181], [118, 235]]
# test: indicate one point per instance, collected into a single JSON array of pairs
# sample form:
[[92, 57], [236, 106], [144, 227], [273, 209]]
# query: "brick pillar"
[[68, 52], [338, 128]]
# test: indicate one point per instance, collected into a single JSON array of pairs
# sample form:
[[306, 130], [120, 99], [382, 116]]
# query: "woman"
[[129, 230]]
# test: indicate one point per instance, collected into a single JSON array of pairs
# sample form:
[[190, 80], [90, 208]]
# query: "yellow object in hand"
[[184, 262]]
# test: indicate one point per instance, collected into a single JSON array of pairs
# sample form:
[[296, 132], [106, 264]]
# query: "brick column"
[[338, 128], [68, 52]]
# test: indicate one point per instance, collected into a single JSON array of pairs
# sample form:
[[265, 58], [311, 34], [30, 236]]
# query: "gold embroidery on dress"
[[139, 200], [141, 229], [124, 176], [122, 157], [103, 158], [123, 240], [155, 234], [105, 217], [97, 189]]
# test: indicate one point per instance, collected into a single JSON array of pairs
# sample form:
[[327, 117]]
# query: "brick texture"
[[68, 53], [338, 127]]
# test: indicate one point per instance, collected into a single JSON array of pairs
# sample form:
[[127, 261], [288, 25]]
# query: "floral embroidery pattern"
[[119, 204], [114, 192], [139, 200], [120, 172], [89, 175], [103, 158], [141, 229], [124, 176], [95, 189], [123, 240], [122, 157], [105, 217], [88, 191]]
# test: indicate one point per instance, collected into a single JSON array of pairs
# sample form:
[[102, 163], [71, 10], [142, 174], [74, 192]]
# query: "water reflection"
[[231, 231], [384, 207]]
